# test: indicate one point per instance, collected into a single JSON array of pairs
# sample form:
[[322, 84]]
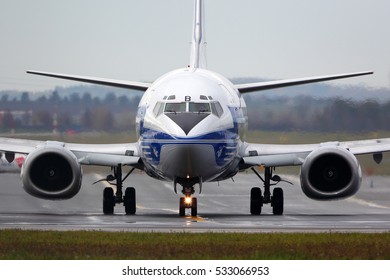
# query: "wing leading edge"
[[269, 155], [86, 154]]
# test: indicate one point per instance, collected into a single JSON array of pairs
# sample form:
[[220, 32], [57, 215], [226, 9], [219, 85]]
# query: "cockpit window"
[[158, 109], [199, 107], [216, 109], [169, 107], [175, 107]]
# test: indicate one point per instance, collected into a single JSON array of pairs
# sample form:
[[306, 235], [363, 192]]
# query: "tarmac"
[[222, 207]]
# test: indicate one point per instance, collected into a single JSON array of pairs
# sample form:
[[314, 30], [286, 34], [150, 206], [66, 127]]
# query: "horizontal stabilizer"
[[245, 88], [99, 81]]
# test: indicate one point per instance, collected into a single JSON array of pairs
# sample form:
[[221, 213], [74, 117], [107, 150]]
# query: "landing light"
[[188, 200]]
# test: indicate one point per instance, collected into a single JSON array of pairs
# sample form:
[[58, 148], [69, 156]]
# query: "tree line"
[[113, 112], [305, 113], [80, 112]]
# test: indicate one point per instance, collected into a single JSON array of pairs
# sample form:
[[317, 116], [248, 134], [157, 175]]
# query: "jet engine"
[[330, 173], [51, 172]]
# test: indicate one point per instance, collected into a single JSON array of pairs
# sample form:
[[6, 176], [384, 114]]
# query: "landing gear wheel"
[[108, 201], [129, 201], [277, 201], [256, 202], [182, 207], [194, 207]]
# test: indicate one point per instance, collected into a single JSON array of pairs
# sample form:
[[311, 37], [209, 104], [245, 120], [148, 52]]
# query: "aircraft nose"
[[182, 160], [187, 121]]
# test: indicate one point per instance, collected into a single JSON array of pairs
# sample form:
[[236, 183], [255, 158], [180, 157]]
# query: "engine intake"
[[51, 172], [330, 173]]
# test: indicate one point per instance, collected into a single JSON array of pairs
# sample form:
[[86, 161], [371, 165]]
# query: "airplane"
[[191, 126]]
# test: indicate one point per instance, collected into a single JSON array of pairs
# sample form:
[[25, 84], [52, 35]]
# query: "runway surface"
[[221, 208]]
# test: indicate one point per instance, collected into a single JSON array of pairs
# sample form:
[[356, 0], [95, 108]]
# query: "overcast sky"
[[141, 40]]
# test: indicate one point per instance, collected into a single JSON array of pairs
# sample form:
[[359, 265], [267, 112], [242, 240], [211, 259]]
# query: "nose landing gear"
[[188, 202]]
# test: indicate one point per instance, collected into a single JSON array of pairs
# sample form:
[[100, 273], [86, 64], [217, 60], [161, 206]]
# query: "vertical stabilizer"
[[198, 44]]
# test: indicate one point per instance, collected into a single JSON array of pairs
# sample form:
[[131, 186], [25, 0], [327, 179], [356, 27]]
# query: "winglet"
[[198, 45]]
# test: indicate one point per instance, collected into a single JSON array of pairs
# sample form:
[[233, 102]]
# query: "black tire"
[[182, 207], [278, 201], [108, 201], [129, 201], [194, 207], [256, 202]]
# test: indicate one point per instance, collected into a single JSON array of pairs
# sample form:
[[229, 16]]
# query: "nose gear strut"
[[188, 202]]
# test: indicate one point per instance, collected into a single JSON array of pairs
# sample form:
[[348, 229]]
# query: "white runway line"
[[367, 203]]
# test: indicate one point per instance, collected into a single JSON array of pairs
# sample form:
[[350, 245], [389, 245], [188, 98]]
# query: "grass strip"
[[86, 245]]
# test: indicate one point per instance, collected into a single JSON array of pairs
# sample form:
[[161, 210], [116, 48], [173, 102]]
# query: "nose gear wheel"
[[189, 202]]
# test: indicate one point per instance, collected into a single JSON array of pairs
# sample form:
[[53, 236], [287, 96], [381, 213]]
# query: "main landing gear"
[[110, 199], [257, 200]]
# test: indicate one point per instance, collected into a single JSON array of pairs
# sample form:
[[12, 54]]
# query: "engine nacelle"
[[330, 173], [51, 172]]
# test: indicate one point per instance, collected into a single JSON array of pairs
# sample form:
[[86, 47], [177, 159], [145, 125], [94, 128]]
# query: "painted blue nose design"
[[188, 120]]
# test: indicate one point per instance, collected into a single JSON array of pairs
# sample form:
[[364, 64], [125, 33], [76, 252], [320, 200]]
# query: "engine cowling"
[[330, 173], [51, 172]]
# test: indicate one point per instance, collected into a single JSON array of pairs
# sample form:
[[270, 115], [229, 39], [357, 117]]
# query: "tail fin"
[[198, 45]]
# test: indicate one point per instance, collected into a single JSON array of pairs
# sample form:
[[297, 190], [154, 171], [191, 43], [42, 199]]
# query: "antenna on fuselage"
[[198, 44]]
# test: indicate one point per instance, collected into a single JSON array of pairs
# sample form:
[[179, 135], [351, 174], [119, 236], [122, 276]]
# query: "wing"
[[94, 80], [270, 155], [86, 154], [245, 88]]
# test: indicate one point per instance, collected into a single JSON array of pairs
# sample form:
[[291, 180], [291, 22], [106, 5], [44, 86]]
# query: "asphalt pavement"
[[222, 207]]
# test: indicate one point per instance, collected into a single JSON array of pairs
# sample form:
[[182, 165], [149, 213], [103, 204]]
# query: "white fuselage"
[[191, 123], [13, 165]]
